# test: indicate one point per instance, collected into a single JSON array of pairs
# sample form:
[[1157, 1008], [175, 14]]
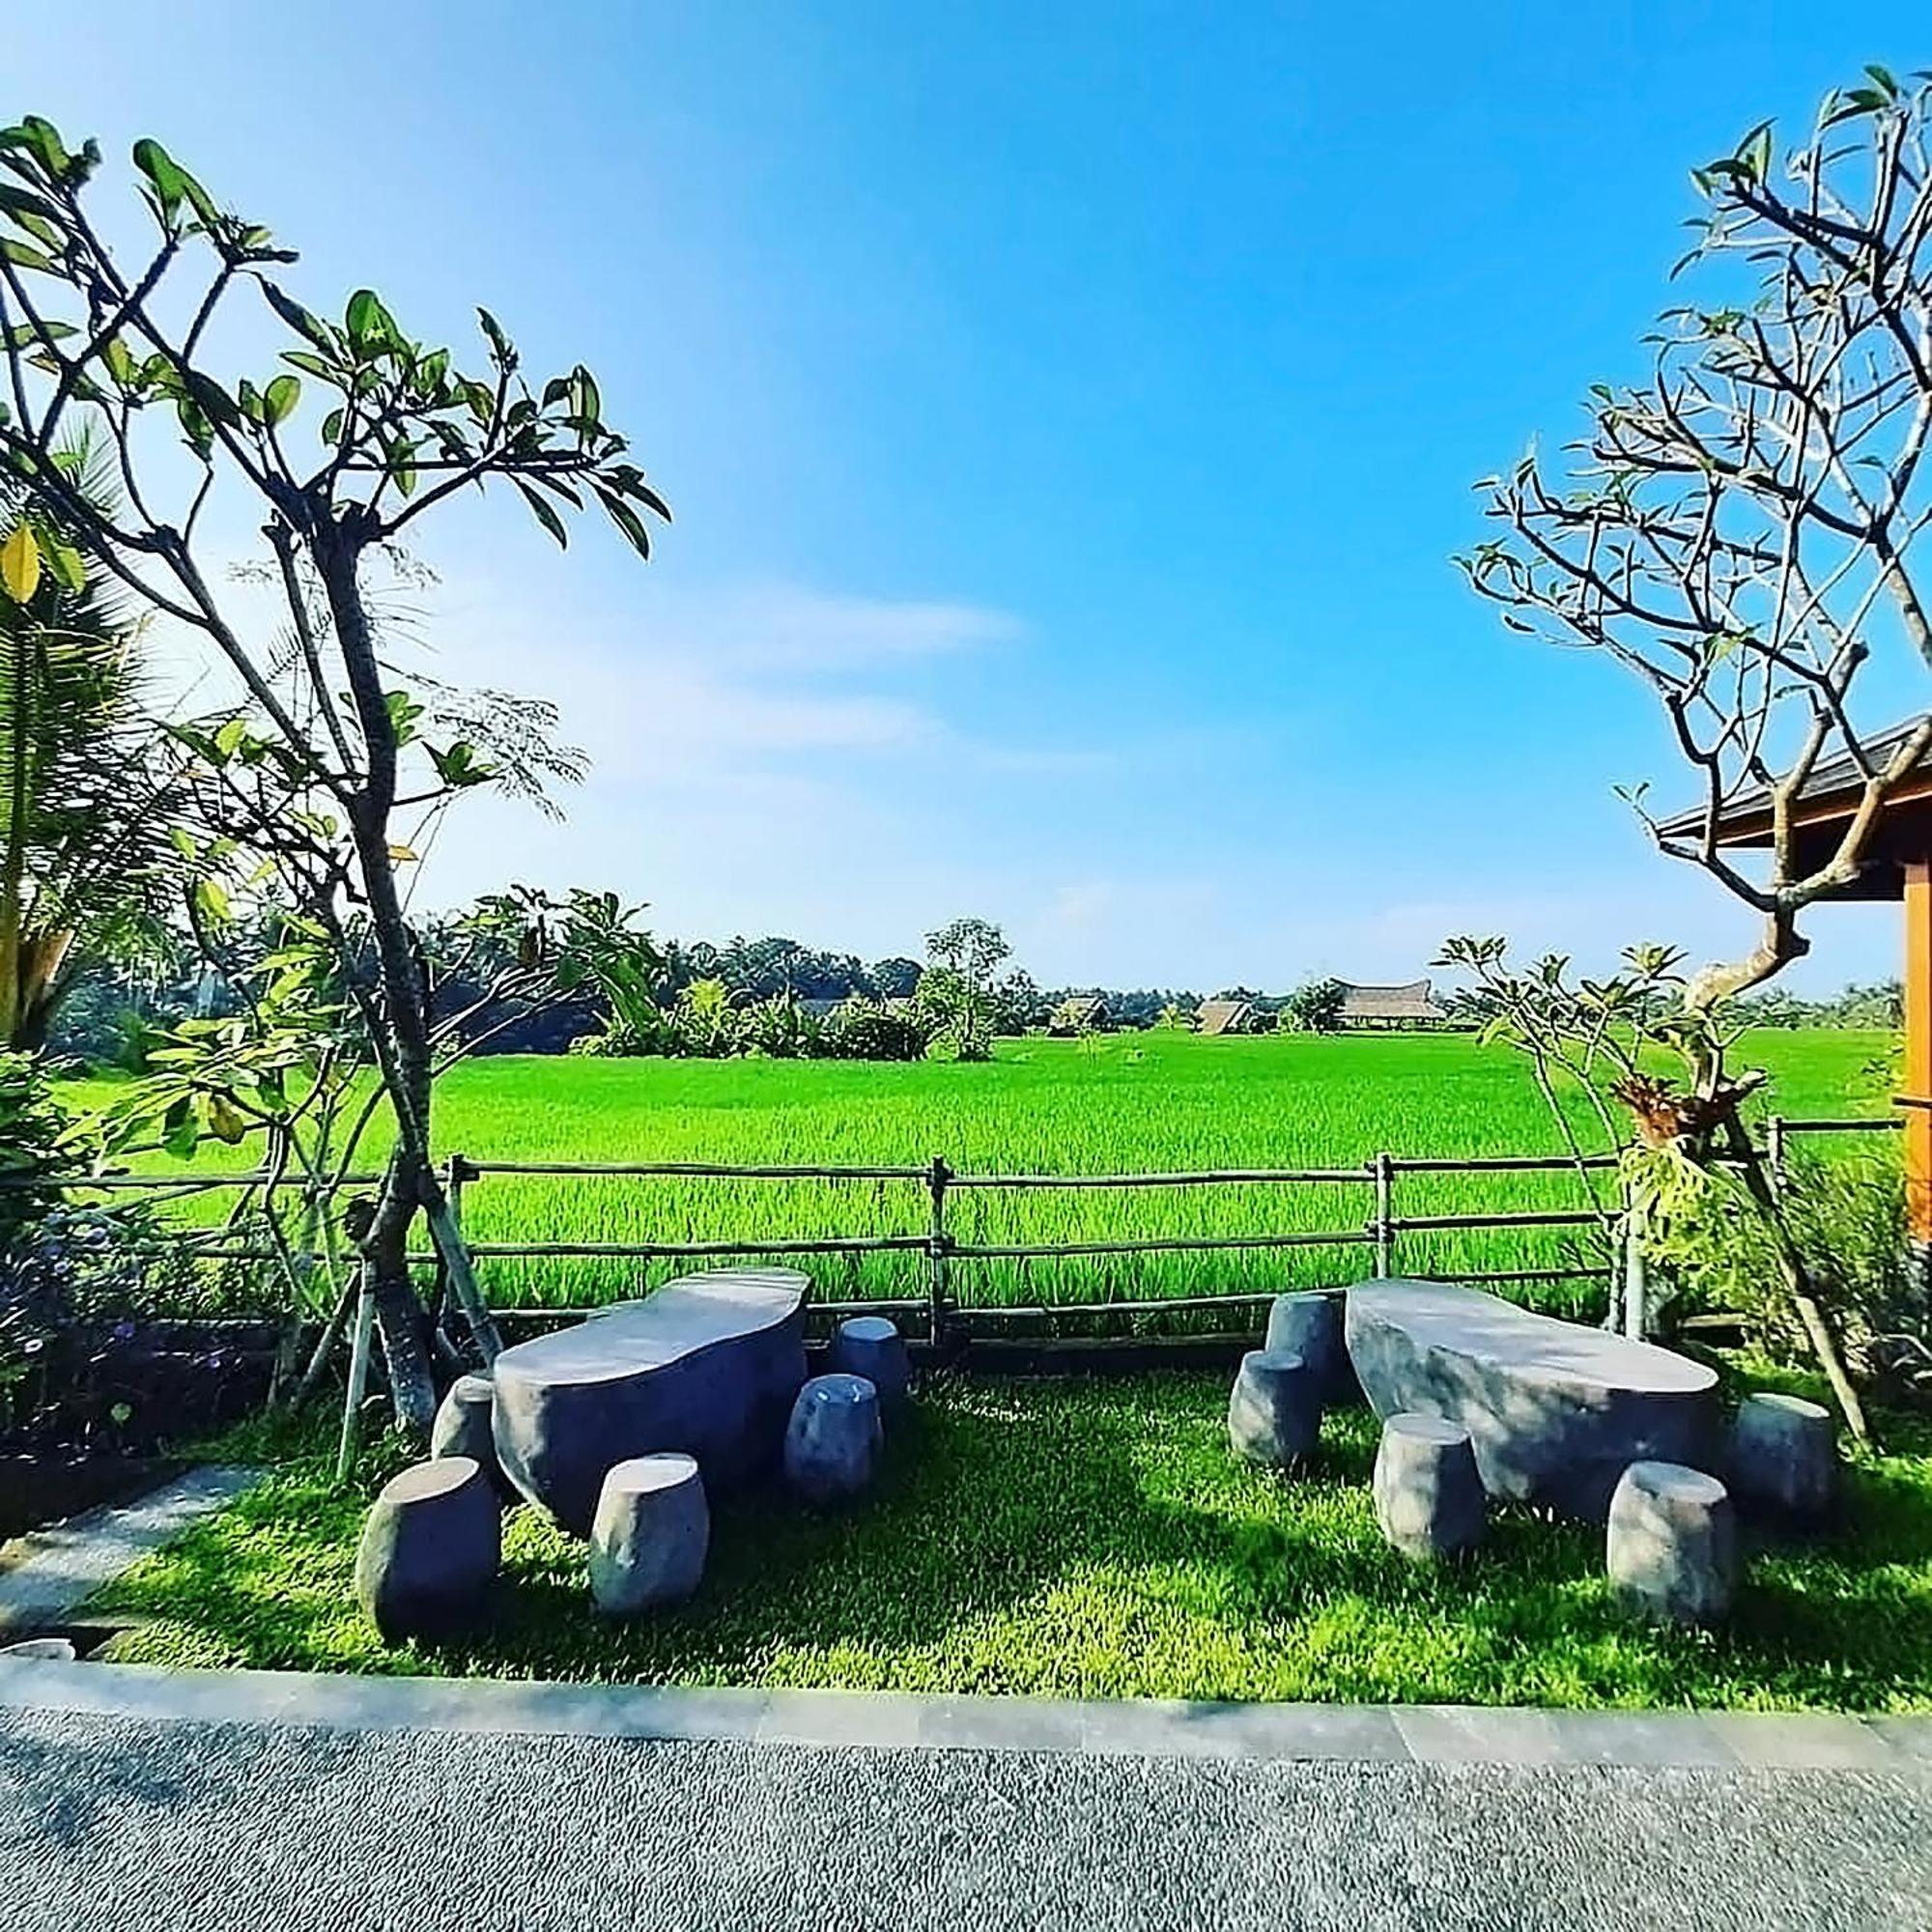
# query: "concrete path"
[[162, 1799], [50, 1572]]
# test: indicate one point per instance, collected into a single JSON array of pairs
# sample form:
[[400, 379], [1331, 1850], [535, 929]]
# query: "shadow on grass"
[[1083, 1538]]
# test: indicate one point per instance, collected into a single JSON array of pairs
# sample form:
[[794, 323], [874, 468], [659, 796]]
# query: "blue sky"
[[1069, 414]]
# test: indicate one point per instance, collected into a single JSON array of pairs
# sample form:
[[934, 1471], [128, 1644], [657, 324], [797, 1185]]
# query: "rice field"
[[1127, 1103]]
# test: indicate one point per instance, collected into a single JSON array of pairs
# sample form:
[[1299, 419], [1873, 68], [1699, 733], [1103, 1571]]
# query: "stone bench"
[[430, 1550], [834, 1439], [1555, 1411], [650, 1534], [708, 1366], [1670, 1543], [871, 1346], [1274, 1410], [1429, 1494], [1783, 1459]]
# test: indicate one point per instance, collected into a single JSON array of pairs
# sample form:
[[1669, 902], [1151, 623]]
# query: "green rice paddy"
[[1127, 1103]]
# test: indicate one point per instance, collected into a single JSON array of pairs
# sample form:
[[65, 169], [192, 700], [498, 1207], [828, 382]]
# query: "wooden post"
[[1383, 1169], [1773, 1153], [1635, 1311], [1918, 1053], [439, 1210], [358, 1372], [936, 1249]]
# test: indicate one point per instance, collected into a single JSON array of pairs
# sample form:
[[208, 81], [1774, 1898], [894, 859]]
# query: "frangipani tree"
[[1742, 531], [204, 378]]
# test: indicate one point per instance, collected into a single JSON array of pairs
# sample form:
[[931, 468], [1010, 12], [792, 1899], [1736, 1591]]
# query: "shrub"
[[1845, 1215], [860, 1030]]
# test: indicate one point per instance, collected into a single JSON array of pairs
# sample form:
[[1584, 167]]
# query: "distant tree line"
[[772, 995]]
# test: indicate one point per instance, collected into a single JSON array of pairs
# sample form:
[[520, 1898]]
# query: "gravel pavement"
[[120, 1821]]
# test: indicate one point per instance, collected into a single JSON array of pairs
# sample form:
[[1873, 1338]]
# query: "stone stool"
[[873, 1347], [1429, 1495], [650, 1534], [833, 1441], [430, 1549], [1308, 1324], [1672, 1545], [1783, 1458], [464, 1426], [1274, 1412]]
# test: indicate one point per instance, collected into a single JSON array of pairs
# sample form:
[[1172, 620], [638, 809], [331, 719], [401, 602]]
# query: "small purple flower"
[[123, 1331]]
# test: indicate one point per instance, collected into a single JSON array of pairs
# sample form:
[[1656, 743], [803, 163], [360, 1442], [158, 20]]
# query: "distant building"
[[1083, 1012], [1223, 1017], [1413, 1004]]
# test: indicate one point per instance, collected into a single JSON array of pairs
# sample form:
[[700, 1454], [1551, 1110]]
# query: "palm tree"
[[87, 789]]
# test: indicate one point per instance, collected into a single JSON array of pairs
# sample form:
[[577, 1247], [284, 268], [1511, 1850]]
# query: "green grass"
[[1095, 1539], [1142, 1102]]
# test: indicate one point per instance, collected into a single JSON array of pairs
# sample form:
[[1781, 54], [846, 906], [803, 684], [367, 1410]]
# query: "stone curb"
[[55, 1569], [1425, 1733]]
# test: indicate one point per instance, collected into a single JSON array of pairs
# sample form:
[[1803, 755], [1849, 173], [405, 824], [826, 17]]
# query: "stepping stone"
[[1308, 1324], [1274, 1412], [832, 1444], [1783, 1458], [708, 1366], [1556, 1413], [1428, 1494], [1671, 1546], [650, 1534], [430, 1550], [873, 1347], [463, 1427]]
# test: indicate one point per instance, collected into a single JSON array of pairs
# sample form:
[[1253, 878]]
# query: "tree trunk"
[[398, 1015]]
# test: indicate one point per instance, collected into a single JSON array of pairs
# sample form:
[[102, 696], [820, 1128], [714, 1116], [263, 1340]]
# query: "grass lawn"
[[1130, 1102], [1094, 1539]]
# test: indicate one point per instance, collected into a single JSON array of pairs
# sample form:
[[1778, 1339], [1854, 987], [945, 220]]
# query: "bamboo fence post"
[[439, 1210], [1383, 1169], [358, 1372], [1774, 1153], [937, 1177]]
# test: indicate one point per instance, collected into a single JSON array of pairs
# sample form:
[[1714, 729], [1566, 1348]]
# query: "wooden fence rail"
[[942, 1251]]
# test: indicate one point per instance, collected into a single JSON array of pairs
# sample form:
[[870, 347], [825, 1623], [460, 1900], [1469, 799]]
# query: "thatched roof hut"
[[1223, 1017], [1413, 1004]]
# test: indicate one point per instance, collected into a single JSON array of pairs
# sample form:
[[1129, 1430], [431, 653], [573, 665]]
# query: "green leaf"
[[22, 334], [27, 208], [312, 365], [280, 397], [45, 142], [369, 324], [299, 318], [545, 515], [628, 521], [213, 401], [170, 181], [211, 899], [69, 567], [500, 345], [23, 255]]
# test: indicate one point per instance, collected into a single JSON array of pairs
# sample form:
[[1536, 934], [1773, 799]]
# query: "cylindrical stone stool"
[[430, 1549], [1783, 1458], [873, 1347], [650, 1534], [1672, 1545], [1429, 1495], [1275, 1410], [1308, 1324], [833, 1441], [463, 1427]]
